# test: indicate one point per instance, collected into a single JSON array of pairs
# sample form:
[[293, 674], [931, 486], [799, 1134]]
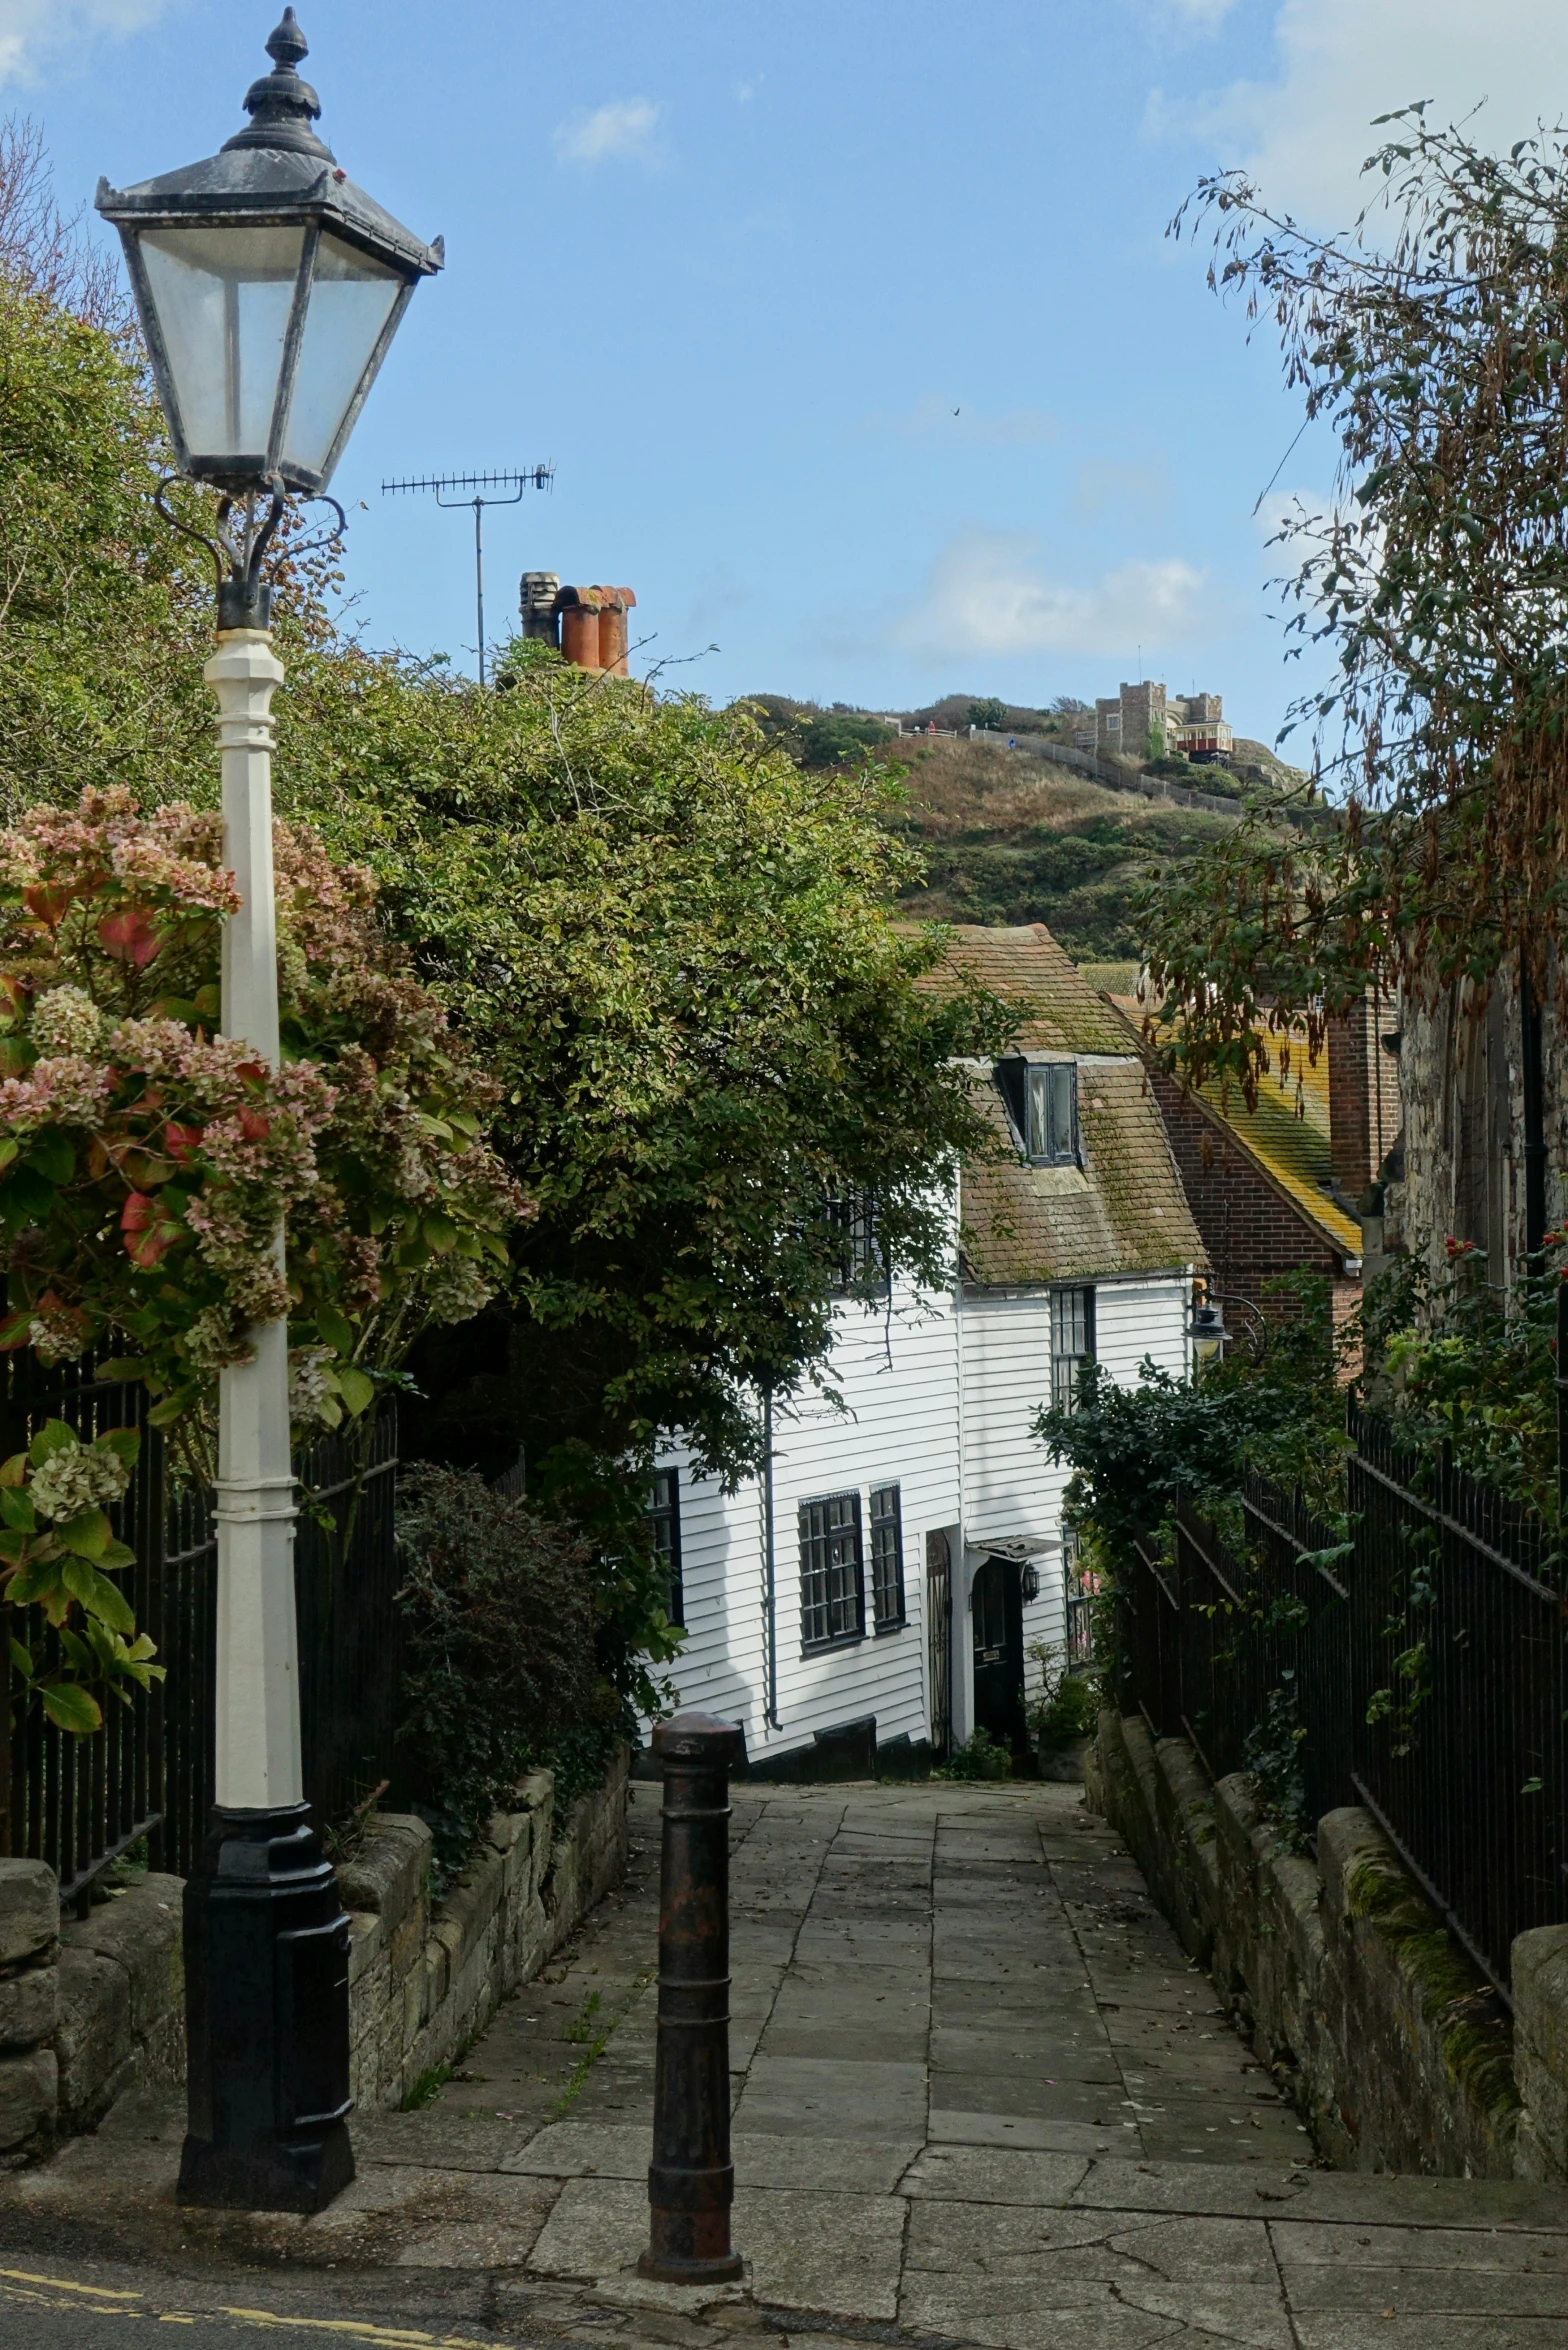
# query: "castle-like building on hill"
[[1144, 722]]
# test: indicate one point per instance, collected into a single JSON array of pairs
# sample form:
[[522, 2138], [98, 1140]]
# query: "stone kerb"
[[95, 2007], [1397, 2050]]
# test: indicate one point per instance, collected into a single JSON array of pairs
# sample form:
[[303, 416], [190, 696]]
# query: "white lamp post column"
[[269, 288], [258, 1743]]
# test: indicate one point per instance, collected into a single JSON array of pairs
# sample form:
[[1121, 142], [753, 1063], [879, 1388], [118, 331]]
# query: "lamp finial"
[[282, 107]]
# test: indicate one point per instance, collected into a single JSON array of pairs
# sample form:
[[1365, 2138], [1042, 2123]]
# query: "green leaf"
[[71, 1708], [115, 1555], [54, 1436], [165, 1413], [125, 1367], [441, 1233], [21, 1659], [13, 1471], [9, 1148], [110, 1605], [335, 1330], [86, 1537], [78, 1576], [50, 1154], [17, 1510], [25, 1196], [124, 1443], [357, 1389]]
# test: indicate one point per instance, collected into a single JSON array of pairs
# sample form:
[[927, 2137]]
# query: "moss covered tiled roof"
[[1124, 1211], [1287, 1134], [1027, 966]]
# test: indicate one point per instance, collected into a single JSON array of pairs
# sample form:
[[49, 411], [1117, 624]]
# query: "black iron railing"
[[78, 1803], [1426, 1660]]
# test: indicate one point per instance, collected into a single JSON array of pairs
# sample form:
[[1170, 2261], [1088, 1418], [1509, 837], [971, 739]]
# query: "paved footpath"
[[980, 2097]]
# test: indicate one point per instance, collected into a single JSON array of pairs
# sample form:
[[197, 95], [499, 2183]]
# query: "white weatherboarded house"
[[874, 1592]]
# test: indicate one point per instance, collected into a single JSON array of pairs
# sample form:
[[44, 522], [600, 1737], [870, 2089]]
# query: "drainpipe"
[[770, 1713], [1534, 1119]]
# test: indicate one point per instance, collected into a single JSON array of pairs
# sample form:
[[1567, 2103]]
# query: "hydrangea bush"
[[147, 1164], [57, 1553]]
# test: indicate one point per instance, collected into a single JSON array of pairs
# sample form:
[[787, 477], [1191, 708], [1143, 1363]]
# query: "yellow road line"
[[25, 2276], [388, 2337], [357, 2329]]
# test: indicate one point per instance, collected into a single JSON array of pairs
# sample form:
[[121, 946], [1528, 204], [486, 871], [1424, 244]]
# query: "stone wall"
[[91, 2007], [1398, 2052]]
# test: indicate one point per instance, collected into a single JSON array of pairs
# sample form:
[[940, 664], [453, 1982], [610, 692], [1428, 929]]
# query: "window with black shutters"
[[832, 1575], [1072, 1341], [887, 1559], [664, 1516]]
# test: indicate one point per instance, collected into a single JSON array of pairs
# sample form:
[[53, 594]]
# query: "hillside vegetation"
[[1011, 838]]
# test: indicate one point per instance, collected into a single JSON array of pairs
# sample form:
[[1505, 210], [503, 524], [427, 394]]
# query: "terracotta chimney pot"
[[580, 617]]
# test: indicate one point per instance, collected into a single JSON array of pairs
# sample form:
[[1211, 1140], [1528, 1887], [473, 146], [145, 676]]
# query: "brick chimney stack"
[[1363, 1093]]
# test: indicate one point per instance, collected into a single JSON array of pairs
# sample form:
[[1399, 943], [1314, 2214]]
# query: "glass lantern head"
[[269, 288], [1208, 1333]]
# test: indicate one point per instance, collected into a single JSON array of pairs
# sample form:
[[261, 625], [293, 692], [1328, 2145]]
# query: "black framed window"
[[1072, 1341], [887, 1558], [862, 1260], [832, 1571], [1053, 1114], [664, 1516]]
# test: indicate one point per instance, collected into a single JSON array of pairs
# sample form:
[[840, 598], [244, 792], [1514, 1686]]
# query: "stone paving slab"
[[1070, 2149]]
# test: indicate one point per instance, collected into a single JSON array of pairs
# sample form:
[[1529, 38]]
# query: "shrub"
[[980, 1757], [499, 1607], [1066, 1704]]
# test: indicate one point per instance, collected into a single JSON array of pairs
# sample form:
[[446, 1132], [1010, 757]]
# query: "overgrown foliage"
[[499, 1607], [674, 953], [146, 1165], [1064, 1703], [1434, 343]]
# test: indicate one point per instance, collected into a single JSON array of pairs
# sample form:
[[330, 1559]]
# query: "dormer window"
[[1053, 1115]]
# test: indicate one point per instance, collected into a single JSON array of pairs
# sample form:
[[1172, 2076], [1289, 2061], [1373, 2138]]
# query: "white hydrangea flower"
[[308, 1389], [66, 1023], [456, 1289], [78, 1477]]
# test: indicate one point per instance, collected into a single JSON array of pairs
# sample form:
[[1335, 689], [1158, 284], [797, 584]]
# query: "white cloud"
[[34, 31], [621, 132], [988, 596], [1305, 134]]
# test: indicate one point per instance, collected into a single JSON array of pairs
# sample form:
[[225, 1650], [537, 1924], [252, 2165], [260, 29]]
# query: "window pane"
[[1062, 1111], [223, 297], [664, 1517], [1039, 1114], [830, 1569], [887, 1558], [350, 302]]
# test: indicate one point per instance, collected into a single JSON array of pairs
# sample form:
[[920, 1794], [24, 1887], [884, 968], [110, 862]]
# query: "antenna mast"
[[536, 477]]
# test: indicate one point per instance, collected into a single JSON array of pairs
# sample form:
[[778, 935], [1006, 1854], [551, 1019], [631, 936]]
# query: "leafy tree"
[[1434, 342], [990, 712], [673, 950]]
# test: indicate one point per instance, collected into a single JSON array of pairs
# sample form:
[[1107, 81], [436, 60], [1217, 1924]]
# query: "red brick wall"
[[1363, 1092]]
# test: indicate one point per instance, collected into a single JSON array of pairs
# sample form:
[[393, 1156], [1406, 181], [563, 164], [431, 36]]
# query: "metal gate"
[[939, 1639]]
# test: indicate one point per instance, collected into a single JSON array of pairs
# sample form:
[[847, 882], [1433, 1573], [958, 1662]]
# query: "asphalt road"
[[48, 2304]]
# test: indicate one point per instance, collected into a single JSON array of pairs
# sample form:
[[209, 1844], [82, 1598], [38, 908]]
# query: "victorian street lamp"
[[1208, 1334], [270, 288]]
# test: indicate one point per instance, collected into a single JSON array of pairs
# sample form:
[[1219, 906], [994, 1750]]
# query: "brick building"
[[1271, 1190]]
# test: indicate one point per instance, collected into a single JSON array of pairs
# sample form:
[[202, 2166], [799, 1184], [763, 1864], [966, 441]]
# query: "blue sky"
[[851, 329]]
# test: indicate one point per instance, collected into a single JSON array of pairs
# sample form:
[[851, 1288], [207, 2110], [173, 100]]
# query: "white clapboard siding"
[[1011, 1489], [896, 1375]]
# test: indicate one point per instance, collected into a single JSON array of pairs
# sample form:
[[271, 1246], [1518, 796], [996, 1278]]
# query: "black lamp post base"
[[266, 2009], [691, 2248]]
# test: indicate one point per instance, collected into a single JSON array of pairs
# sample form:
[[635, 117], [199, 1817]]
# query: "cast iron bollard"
[[691, 2180]]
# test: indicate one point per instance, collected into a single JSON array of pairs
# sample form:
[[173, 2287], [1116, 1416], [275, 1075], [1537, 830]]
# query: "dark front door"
[[998, 1613]]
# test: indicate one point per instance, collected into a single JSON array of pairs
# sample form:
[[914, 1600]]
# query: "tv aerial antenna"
[[535, 477]]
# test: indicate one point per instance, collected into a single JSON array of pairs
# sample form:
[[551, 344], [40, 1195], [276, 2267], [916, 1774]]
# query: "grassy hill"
[[1011, 838]]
